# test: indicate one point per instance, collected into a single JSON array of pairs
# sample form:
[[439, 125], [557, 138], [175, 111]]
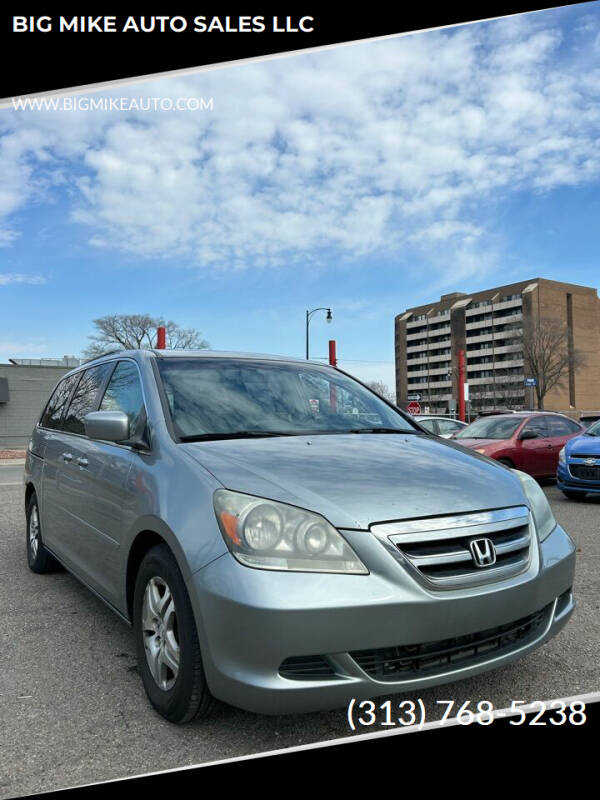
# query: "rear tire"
[[38, 558], [507, 462], [574, 495], [166, 639]]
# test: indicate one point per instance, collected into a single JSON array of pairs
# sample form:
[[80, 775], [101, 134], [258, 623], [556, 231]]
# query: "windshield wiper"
[[208, 437], [380, 430]]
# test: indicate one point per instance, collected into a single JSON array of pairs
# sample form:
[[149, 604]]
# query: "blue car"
[[579, 464]]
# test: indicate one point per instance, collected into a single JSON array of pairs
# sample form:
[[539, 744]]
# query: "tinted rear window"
[[85, 396], [51, 418]]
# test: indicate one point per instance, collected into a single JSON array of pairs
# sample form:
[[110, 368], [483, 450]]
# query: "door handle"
[[83, 462], [67, 457]]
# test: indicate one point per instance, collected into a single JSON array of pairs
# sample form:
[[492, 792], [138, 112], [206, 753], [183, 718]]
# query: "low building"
[[25, 386], [490, 327]]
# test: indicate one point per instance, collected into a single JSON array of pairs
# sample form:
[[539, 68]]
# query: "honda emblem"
[[483, 552]]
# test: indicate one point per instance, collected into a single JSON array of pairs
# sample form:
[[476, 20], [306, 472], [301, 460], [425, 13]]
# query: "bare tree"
[[138, 331], [547, 354], [381, 388]]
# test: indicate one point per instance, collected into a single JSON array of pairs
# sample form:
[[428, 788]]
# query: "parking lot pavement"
[[73, 710], [10, 474]]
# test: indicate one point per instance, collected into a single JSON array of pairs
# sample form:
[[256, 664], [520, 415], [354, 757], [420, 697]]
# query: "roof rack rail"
[[102, 355]]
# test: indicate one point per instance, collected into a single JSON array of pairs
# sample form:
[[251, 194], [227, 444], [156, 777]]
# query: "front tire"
[[38, 558], [574, 495], [166, 638]]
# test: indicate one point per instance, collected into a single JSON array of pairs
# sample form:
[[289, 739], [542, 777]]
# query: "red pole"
[[161, 338], [461, 385], [333, 362], [332, 353]]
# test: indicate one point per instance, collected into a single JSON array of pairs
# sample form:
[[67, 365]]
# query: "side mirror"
[[528, 435], [108, 426]]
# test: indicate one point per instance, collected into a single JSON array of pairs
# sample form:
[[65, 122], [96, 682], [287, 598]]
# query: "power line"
[[354, 360]]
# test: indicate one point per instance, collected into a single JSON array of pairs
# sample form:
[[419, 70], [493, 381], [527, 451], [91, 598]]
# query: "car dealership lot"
[[73, 709]]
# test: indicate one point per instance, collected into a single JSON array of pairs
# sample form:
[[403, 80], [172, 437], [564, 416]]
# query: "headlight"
[[561, 456], [540, 507], [268, 535]]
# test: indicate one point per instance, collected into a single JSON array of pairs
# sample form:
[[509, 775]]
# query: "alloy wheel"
[[34, 532], [160, 632]]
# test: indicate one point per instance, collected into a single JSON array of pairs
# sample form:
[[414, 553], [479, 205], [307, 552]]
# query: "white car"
[[441, 426]]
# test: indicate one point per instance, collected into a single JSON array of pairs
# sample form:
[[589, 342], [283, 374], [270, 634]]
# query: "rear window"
[[85, 396], [52, 416]]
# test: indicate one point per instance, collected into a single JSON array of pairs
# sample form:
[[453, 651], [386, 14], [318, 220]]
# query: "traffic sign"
[[413, 396], [413, 407], [530, 381]]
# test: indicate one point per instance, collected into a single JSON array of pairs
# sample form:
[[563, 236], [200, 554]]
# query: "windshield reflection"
[[212, 396]]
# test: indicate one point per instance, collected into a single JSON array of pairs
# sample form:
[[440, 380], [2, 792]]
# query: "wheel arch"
[[151, 532], [508, 462], [142, 544]]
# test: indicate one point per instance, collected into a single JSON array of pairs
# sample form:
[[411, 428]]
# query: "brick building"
[[489, 326]]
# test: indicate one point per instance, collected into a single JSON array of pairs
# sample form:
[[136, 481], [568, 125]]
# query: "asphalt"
[[73, 710]]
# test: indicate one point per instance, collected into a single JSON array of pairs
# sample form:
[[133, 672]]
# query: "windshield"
[[219, 397], [490, 428], [594, 429]]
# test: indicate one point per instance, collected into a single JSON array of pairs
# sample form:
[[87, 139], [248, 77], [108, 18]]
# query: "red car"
[[529, 441]]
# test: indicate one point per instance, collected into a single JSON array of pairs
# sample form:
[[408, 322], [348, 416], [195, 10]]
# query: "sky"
[[368, 178]]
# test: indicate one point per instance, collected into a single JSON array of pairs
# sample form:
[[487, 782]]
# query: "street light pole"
[[309, 314]]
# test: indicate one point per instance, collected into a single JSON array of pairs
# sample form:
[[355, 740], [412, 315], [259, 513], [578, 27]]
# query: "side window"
[[430, 425], [448, 426], [537, 424], [84, 397], [124, 393], [56, 405], [561, 427]]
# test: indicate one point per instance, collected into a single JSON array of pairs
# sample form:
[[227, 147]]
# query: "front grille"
[[438, 551], [302, 668], [406, 662], [584, 473]]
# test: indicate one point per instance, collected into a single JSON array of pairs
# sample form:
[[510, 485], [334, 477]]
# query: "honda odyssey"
[[283, 539]]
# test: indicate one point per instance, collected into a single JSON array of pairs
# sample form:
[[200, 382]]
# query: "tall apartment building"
[[489, 326]]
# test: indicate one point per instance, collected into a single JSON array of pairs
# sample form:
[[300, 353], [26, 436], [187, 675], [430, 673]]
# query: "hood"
[[354, 480], [586, 445]]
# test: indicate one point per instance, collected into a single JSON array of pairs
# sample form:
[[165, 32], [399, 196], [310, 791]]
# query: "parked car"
[[493, 412], [529, 441], [283, 539], [588, 418], [441, 426], [578, 470]]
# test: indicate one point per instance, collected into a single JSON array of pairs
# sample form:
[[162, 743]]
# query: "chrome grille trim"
[[430, 524], [436, 549]]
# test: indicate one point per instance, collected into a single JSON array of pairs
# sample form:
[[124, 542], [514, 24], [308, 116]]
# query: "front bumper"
[[250, 621], [567, 483]]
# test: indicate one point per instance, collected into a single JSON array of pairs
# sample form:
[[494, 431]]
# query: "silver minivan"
[[283, 539]]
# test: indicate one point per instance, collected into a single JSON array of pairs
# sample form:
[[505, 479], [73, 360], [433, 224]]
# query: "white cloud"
[[364, 149], [7, 278], [8, 236]]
